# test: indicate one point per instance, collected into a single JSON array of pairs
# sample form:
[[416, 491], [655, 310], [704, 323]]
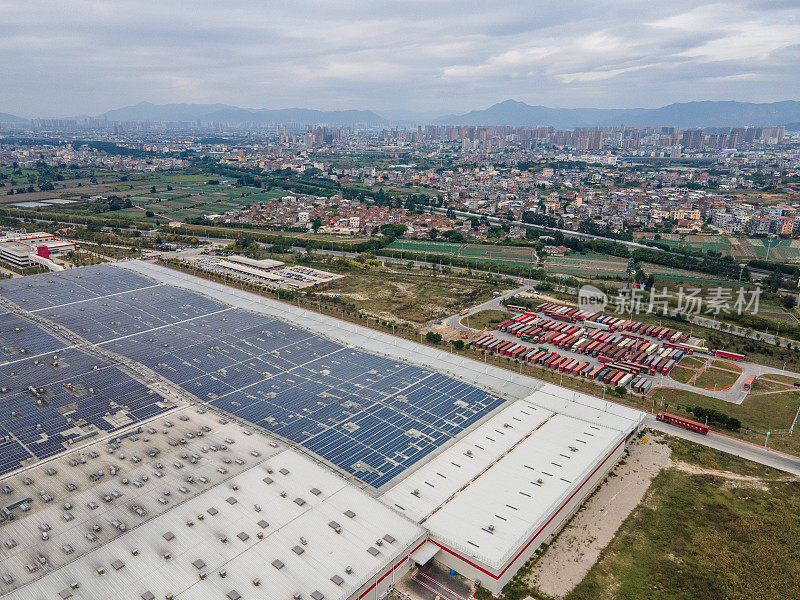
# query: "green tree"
[[433, 337]]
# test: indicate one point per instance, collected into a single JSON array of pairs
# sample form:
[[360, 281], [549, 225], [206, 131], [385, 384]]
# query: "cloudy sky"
[[61, 58]]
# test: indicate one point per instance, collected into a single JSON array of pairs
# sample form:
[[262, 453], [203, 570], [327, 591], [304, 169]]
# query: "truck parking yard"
[[608, 349]]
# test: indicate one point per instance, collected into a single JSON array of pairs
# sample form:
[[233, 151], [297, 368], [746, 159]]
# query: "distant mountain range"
[[510, 112], [686, 114], [223, 113], [7, 118]]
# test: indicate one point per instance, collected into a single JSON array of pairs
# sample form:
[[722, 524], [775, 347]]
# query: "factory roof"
[[489, 493], [284, 526]]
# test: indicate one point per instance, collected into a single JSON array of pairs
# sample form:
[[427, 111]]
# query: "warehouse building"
[[354, 455], [493, 497], [275, 526], [23, 250]]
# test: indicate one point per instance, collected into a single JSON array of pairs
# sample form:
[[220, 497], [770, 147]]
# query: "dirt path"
[[749, 480], [578, 547]]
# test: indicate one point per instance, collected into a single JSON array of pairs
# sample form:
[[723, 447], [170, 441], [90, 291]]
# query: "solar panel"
[[369, 415]]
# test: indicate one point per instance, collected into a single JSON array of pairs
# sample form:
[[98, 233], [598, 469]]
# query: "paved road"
[[763, 336], [718, 441], [454, 321]]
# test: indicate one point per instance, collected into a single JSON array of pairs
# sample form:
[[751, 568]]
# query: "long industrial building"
[[138, 399]]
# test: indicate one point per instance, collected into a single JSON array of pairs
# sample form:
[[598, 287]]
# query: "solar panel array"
[[54, 399], [20, 338], [369, 415]]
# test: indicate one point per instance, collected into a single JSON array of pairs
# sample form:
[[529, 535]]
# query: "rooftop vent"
[[298, 550], [337, 580], [199, 564], [349, 514], [373, 550], [348, 569], [277, 564]]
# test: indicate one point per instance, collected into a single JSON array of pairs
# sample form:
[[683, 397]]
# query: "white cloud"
[[85, 56]]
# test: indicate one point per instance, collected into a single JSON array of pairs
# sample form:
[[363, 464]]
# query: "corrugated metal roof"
[[193, 562], [490, 492]]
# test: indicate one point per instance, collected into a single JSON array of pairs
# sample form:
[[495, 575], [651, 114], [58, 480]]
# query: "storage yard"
[[613, 350], [266, 487]]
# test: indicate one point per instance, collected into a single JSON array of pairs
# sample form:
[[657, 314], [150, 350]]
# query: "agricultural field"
[[741, 248], [483, 255], [178, 196], [586, 265], [578, 265], [711, 526]]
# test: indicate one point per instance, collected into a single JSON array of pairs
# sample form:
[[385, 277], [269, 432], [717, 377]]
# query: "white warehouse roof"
[[315, 534], [486, 496]]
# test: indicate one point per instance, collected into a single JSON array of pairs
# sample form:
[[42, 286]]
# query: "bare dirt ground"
[[732, 479], [569, 558]]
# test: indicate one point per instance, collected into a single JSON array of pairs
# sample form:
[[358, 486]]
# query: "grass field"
[[713, 378], [764, 409], [681, 374], [724, 529], [487, 319], [412, 296], [717, 375]]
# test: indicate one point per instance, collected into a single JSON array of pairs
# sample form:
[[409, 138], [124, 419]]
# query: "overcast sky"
[[70, 57]]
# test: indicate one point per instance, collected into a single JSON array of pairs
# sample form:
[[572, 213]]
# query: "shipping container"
[[726, 354], [749, 382], [681, 422]]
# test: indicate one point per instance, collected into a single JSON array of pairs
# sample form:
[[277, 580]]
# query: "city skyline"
[[419, 59]]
